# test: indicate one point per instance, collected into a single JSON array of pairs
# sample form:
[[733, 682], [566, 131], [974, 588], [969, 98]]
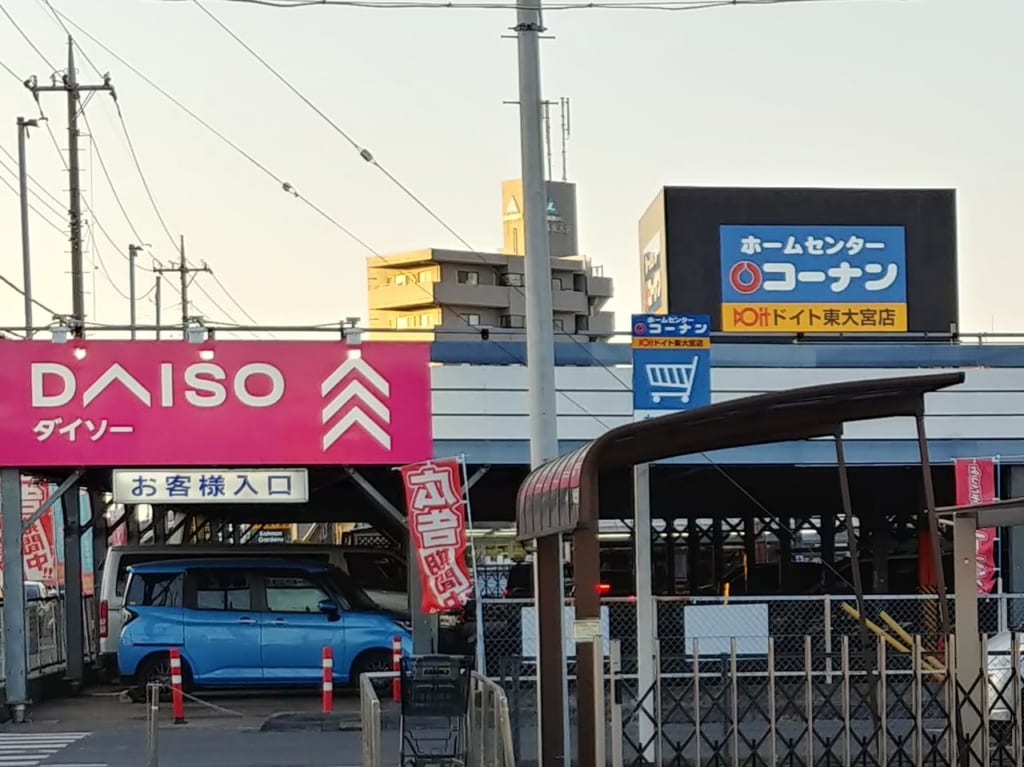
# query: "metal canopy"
[[999, 513], [549, 500]]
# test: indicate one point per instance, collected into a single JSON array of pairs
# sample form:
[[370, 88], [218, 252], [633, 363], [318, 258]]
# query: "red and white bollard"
[[396, 666], [328, 680], [177, 699]]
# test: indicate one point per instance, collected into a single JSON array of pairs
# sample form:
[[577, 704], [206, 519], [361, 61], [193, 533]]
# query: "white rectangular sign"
[[528, 628], [214, 486]]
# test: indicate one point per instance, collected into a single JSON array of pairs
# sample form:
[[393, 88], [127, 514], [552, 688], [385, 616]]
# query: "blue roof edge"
[[767, 355]]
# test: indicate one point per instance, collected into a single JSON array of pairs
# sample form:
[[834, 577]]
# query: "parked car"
[[251, 622], [379, 572]]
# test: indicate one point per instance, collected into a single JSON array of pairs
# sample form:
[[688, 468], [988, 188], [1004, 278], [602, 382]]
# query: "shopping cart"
[[435, 710], [675, 379]]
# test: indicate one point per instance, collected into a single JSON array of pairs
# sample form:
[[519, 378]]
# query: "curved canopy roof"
[[548, 501]]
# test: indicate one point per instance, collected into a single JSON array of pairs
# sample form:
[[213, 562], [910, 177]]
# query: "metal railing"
[[46, 644], [490, 727]]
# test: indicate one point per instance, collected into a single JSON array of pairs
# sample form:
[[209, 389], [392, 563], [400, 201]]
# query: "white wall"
[[475, 402]]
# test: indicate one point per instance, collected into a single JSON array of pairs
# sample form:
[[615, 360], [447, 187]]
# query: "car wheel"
[[155, 669], [372, 662]]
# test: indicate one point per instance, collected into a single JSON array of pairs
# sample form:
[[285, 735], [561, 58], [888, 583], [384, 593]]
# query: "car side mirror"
[[329, 607]]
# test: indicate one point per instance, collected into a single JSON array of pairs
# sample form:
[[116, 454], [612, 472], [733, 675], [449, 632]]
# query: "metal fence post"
[[614, 670], [828, 639], [152, 724]]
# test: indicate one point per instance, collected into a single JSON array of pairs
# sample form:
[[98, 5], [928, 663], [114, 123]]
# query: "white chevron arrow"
[[353, 417], [355, 364], [355, 390]]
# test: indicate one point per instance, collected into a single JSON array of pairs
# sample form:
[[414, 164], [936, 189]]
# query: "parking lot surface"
[[100, 728]]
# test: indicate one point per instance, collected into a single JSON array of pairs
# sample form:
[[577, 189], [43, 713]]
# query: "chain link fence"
[[510, 628]]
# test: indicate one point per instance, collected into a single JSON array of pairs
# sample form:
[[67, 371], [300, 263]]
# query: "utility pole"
[[70, 85], [552, 686], [156, 298], [26, 253], [183, 270], [133, 253]]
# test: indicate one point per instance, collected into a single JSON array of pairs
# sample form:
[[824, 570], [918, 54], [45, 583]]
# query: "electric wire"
[[38, 186], [17, 289], [28, 40], [110, 182], [369, 158], [32, 189], [32, 207], [58, 17], [662, 5]]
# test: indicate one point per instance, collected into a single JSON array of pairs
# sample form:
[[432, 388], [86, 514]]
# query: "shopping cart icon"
[[670, 380]]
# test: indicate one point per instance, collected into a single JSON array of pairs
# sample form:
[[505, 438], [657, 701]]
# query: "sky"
[[863, 93]]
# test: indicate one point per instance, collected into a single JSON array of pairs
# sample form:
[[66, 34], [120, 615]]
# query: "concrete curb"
[[306, 721]]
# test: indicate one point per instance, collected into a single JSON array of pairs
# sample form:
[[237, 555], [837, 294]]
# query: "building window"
[[559, 326], [472, 319], [402, 322], [512, 280], [426, 276], [556, 283], [426, 321], [512, 321], [582, 323], [468, 278], [401, 279]]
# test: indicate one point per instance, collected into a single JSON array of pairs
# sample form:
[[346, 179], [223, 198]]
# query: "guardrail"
[[46, 643], [490, 726]]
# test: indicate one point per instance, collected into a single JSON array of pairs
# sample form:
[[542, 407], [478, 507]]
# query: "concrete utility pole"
[[552, 687], [133, 252], [26, 253], [156, 298], [183, 270], [70, 85]]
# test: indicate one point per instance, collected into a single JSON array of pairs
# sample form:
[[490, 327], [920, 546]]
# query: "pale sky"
[[857, 93]]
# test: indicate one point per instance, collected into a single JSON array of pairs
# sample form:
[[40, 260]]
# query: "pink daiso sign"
[[172, 403]]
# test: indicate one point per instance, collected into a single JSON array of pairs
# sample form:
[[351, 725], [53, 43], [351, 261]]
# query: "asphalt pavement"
[[101, 728]]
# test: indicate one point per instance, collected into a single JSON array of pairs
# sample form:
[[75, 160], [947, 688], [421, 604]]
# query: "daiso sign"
[[153, 403]]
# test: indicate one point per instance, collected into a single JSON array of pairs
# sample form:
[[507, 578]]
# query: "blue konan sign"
[[671, 363]]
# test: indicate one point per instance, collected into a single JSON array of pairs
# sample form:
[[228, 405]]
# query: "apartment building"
[[424, 293]]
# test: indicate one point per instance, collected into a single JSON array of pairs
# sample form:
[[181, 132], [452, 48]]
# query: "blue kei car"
[[252, 622]]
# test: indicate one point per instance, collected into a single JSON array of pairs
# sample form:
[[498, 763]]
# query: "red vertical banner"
[[975, 484], [436, 512], [38, 546]]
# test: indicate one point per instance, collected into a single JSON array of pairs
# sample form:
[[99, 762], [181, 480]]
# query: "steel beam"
[[73, 615], [62, 488], [14, 630]]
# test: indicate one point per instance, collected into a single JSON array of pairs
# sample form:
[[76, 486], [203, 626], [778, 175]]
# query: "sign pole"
[[671, 373], [481, 655]]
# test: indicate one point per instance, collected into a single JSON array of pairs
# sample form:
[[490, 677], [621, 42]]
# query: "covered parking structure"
[[563, 497]]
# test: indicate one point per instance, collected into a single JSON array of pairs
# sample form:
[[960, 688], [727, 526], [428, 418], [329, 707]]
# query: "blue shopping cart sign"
[[671, 363]]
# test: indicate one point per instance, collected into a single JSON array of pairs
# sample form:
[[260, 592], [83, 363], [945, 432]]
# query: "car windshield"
[[346, 588]]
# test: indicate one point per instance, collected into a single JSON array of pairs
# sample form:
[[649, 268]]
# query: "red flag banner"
[[436, 513], [975, 484]]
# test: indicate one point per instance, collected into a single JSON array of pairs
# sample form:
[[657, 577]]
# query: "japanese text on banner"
[[437, 524], [976, 484], [38, 545]]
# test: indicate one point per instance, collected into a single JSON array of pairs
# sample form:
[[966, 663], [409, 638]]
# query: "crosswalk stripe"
[[29, 749]]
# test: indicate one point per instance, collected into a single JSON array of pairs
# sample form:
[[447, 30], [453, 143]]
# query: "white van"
[[380, 573]]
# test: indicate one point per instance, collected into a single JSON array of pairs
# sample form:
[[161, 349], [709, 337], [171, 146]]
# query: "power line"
[[32, 189], [658, 5], [368, 157], [110, 181], [28, 40], [142, 176], [31, 207], [364, 153], [16, 289]]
